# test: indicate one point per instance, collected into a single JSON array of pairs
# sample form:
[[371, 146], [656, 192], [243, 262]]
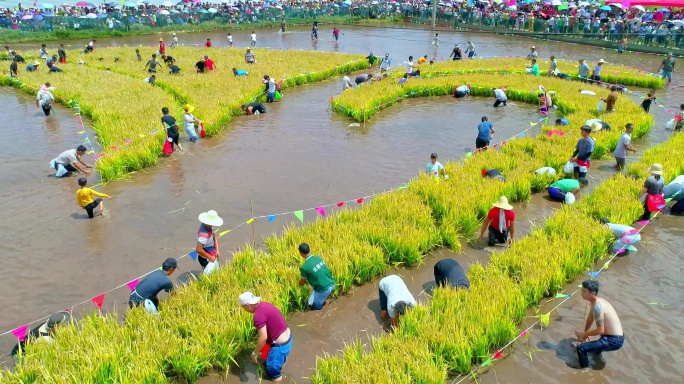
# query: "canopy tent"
[[652, 3]]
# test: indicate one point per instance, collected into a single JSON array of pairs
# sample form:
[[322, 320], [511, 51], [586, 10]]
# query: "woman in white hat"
[[43, 332], [501, 223], [207, 245], [652, 194]]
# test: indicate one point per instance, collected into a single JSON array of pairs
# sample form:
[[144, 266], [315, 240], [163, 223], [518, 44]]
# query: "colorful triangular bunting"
[[300, 215], [98, 300]]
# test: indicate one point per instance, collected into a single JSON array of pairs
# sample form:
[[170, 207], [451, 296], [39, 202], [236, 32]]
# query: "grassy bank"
[[126, 111], [8, 36], [202, 327]]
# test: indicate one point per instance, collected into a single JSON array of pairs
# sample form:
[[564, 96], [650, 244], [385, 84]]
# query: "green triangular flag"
[[563, 6], [487, 362], [545, 318], [561, 295], [631, 248], [300, 215], [668, 199]]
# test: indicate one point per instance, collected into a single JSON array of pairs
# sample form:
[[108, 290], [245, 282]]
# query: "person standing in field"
[[552, 66], [583, 71], [315, 272], [624, 144], [456, 53], [608, 328], [650, 98], [67, 162], [314, 31], [207, 247], [596, 74], [501, 223], [485, 130], [449, 273], [145, 293], [62, 54], [667, 67], [434, 167], [189, 121], [385, 63], [230, 40], [470, 50], [249, 56], [336, 33], [532, 54], [270, 88], [84, 196], [282, 25], [395, 298], [272, 330], [582, 155], [152, 64], [174, 43], [611, 99], [208, 43], [169, 123], [14, 68], [162, 47], [371, 59], [209, 63], [253, 39], [652, 196], [45, 99]]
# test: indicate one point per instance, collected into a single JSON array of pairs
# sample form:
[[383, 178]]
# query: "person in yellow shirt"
[[422, 59], [85, 199]]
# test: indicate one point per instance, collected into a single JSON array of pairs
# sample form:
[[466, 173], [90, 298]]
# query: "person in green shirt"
[[560, 188], [371, 60], [535, 68], [317, 274]]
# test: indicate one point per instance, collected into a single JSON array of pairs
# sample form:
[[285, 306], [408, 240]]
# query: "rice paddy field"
[[202, 329]]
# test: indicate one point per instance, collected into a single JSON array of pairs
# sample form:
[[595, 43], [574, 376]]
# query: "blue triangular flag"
[[193, 255], [522, 134], [631, 248], [271, 218], [593, 274]]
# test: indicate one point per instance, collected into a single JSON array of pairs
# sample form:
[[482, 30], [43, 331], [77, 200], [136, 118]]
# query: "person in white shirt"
[[385, 63], [409, 67], [395, 298], [470, 50], [230, 40], [253, 36], [434, 167], [270, 88], [346, 81], [500, 95], [624, 144], [532, 54], [174, 43]]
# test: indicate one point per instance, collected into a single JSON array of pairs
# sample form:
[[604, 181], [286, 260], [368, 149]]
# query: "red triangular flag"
[[497, 354], [132, 284], [359, 200], [503, 142], [494, 146], [20, 333], [340, 204], [98, 300], [320, 210]]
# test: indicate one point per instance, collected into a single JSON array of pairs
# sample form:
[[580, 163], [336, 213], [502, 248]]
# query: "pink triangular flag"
[[631, 232], [340, 204], [523, 334], [20, 333], [643, 222], [320, 210], [619, 251], [132, 284], [359, 200], [498, 354], [98, 300]]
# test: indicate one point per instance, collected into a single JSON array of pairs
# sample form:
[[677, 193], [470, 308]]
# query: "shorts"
[[471, 54], [91, 207], [667, 74], [46, 109], [620, 162], [174, 139], [556, 194], [277, 357], [480, 143]]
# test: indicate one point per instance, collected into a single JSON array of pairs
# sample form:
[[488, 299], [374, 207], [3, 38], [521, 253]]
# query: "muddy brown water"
[[301, 155]]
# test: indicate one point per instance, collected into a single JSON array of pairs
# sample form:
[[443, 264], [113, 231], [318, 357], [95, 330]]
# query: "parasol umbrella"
[[101, 16], [639, 7], [513, 8], [112, 4], [664, 10], [214, 10], [27, 17], [164, 12], [547, 3], [37, 17], [345, 5], [605, 8], [174, 11], [264, 5], [583, 3], [572, 6], [132, 5], [91, 16], [279, 7], [47, 6], [334, 5], [375, 2], [348, 2], [47, 14], [616, 5], [203, 11], [556, 2], [167, 4]]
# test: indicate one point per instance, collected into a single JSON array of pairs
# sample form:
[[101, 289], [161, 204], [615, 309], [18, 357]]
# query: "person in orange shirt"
[[422, 59], [210, 66], [85, 199]]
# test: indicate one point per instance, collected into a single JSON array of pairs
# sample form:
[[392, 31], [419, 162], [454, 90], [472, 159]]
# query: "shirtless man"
[[608, 327]]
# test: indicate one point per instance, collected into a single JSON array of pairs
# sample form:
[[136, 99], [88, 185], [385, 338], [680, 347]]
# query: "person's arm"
[[597, 315], [37, 102], [644, 190], [395, 321], [261, 341], [99, 194], [200, 251], [82, 162], [80, 169], [510, 239], [661, 67], [146, 64], [216, 245], [485, 225]]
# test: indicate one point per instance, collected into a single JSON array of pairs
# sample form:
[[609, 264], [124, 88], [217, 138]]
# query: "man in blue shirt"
[[146, 291], [32, 67], [484, 133]]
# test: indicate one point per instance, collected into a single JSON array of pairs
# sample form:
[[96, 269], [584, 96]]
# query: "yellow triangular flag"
[[250, 221], [223, 233], [532, 124], [82, 132], [545, 318], [606, 265]]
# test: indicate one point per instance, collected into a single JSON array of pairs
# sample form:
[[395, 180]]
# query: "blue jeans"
[[319, 298], [276, 358], [270, 96], [192, 134], [606, 343]]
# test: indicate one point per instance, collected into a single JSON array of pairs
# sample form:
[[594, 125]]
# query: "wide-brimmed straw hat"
[[188, 108], [56, 319], [596, 126], [211, 218], [601, 61], [656, 169], [503, 203], [36, 63], [160, 39]]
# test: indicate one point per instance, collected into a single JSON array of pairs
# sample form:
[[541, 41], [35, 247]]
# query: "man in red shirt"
[[208, 43], [162, 47], [210, 66], [501, 222]]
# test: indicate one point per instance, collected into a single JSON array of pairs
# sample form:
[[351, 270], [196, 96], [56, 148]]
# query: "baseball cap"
[[169, 263], [248, 298]]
